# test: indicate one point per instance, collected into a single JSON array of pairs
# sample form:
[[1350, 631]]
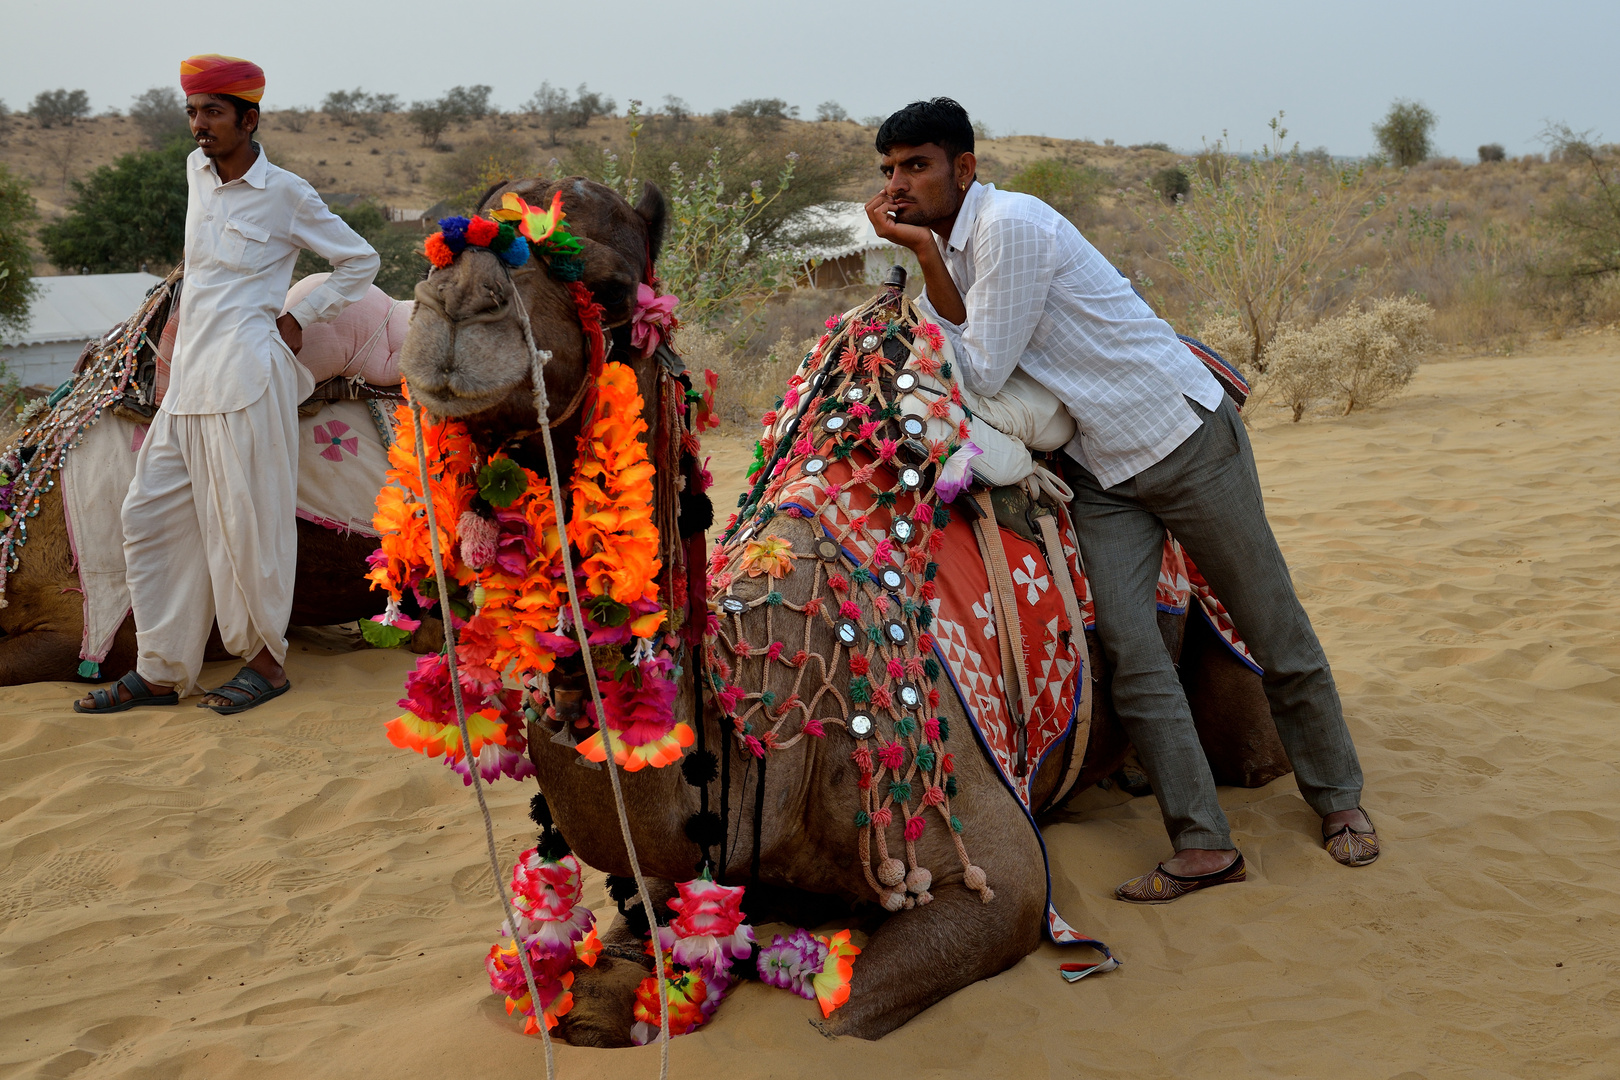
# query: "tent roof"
[[80, 307], [850, 218]]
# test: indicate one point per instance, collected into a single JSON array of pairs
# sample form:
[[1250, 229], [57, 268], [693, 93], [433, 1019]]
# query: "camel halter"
[[538, 358]]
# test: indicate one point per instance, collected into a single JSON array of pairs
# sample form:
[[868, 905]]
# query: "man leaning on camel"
[[1160, 446], [210, 532]]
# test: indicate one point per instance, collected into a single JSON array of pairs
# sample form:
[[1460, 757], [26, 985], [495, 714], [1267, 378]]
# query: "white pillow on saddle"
[[363, 340]]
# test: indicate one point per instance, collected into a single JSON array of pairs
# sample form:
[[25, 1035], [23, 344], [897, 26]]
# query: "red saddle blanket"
[[964, 625]]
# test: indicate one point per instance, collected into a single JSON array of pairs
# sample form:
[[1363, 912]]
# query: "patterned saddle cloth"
[[965, 633]]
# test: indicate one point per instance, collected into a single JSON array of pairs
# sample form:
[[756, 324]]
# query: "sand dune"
[[284, 894]]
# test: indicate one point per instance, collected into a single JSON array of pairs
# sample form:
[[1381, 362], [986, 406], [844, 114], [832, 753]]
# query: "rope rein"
[[466, 743], [537, 362]]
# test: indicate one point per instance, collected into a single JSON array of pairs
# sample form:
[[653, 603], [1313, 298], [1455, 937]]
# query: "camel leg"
[[918, 957]]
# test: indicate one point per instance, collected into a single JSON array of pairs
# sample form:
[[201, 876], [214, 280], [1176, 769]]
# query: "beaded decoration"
[[855, 415], [31, 464]]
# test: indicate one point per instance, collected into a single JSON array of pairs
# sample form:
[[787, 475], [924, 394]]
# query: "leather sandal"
[[1161, 886], [105, 699], [1350, 847], [244, 691]]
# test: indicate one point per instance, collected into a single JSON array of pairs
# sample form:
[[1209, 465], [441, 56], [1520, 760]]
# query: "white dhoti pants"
[[210, 533]]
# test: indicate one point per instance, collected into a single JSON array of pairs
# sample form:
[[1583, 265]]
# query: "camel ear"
[[654, 210]]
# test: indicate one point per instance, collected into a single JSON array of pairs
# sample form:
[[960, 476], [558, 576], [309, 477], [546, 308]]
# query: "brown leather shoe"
[[1161, 886], [1350, 847]]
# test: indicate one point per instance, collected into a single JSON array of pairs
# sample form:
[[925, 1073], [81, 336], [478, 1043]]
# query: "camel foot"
[[604, 1003]]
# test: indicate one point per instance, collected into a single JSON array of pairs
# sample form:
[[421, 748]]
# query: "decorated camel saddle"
[[91, 429], [948, 564]]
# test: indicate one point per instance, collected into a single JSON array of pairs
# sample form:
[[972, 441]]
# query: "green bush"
[[1172, 183], [126, 215], [1492, 152], [1586, 219], [17, 213], [402, 261], [1071, 190], [1403, 135]]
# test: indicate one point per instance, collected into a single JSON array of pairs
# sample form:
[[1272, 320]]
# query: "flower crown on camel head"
[[516, 230]]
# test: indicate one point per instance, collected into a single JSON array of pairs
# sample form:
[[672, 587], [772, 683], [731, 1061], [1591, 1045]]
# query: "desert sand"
[[284, 894]]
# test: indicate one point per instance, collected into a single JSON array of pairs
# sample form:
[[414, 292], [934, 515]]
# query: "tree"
[[52, 108], [403, 264], [462, 178], [468, 102], [127, 214], [676, 108], [345, 106], [1587, 218], [161, 115], [17, 213], [1492, 152], [588, 104], [552, 105], [430, 118], [763, 114], [831, 112], [1403, 135], [1258, 241]]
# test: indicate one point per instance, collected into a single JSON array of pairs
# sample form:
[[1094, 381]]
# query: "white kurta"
[[209, 526]]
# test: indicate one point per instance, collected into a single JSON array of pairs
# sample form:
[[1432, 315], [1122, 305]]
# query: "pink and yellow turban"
[[216, 74]]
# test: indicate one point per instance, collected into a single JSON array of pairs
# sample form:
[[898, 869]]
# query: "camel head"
[[465, 356]]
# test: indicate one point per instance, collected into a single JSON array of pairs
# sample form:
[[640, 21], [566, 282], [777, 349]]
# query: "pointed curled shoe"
[[1350, 847], [1161, 886]]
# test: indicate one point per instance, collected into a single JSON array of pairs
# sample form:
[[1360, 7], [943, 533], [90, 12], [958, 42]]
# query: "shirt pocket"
[[244, 247]]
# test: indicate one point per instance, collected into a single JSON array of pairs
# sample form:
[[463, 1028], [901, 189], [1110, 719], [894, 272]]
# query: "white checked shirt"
[[1040, 297], [242, 239]]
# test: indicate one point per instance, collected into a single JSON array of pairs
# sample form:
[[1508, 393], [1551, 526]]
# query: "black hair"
[[241, 105], [941, 121]]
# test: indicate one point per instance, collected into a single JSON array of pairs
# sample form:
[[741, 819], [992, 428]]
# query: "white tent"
[[66, 313], [862, 259]]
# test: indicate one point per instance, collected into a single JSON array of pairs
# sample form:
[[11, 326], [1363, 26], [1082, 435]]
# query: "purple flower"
[[792, 962], [955, 474]]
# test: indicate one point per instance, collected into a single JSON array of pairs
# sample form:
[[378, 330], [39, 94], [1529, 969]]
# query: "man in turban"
[[209, 527]]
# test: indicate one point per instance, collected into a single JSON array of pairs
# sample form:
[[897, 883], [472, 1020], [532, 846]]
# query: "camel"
[[465, 357], [42, 619]]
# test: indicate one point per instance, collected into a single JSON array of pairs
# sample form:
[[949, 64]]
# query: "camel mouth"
[[463, 367]]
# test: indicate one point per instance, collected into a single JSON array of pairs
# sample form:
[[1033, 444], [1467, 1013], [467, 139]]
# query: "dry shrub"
[[1483, 309], [750, 384], [1358, 358]]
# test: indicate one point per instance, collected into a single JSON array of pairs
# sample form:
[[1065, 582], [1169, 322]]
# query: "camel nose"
[[464, 293]]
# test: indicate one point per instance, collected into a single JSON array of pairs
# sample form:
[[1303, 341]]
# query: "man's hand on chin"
[[291, 333], [913, 237]]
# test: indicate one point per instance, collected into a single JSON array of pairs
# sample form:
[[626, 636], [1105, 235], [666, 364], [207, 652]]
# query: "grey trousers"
[[1207, 493]]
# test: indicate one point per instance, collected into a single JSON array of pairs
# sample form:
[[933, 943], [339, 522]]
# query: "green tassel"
[[931, 669], [956, 823], [860, 689], [773, 598], [944, 729], [942, 515], [89, 669], [950, 786], [862, 819], [900, 791], [925, 758], [905, 726]]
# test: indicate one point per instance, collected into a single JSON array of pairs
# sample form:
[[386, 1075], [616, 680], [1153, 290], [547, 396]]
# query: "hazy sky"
[[1172, 71]]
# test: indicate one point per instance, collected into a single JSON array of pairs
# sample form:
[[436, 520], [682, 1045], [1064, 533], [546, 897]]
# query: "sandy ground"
[[286, 895]]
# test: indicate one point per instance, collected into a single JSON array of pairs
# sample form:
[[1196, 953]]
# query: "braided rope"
[[537, 362], [466, 744]]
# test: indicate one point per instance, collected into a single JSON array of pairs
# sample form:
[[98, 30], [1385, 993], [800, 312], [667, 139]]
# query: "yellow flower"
[[771, 555]]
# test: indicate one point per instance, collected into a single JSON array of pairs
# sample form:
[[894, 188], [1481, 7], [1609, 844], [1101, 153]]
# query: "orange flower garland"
[[612, 509]]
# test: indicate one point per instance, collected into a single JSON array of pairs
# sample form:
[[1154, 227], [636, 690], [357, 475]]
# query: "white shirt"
[[242, 239], [1040, 297]]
